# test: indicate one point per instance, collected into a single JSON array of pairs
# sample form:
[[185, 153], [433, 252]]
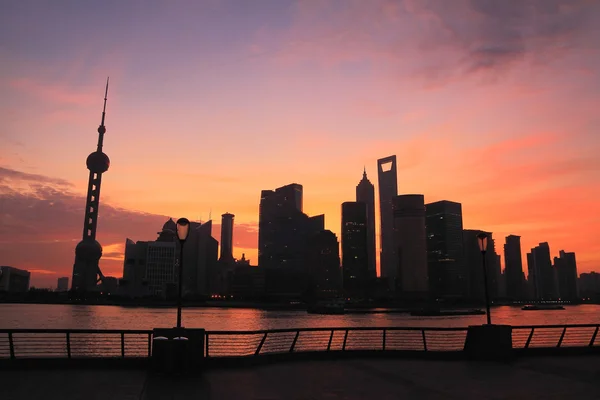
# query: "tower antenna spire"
[[102, 128], [105, 97], [364, 171]]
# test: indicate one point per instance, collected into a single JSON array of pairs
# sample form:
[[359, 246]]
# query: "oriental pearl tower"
[[86, 271]]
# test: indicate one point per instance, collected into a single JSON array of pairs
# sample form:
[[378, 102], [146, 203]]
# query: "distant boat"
[[543, 307], [445, 313], [330, 307]]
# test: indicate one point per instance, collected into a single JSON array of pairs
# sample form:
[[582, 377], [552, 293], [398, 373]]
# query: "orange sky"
[[494, 106]]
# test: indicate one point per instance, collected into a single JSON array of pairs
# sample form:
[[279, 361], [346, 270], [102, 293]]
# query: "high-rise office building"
[[566, 273], [86, 270], [474, 264], [226, 255], [323, 264], [355, 245], [62, 285], [282, 236], [513, 268], [542, 275], [388, 189], [448, 276], [149, 269], [410, 245], [365, 193], [14, 280], [589, 285]]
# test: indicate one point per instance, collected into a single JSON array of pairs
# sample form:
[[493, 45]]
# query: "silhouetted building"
[[388, 189], [566, 273], [589, 285], [323, 260], [200, 255], [109, 285], [226, 255], [355, 245], [474, 263], [513, 268], [247, 281], [86, 270], [62, 284], [14, 280], [410, 245], [282, 237], [542, 275], [448, 276], [149, 268], [365, 193]]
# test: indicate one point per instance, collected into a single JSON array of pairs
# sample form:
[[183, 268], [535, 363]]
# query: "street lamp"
[[183, 230], [482, 240]]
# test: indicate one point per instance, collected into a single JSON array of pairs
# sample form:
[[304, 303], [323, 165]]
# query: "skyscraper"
[[566, 272], [448, 276], [410, 245], [86, 271], [226, 238], [283, 231], [513, 268], [365, 193], [355, 244], [323, 264], [542, 272], [474, 264], [388, 189], [62, 285]]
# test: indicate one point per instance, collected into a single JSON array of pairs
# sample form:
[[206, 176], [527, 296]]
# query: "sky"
[[493, 104]]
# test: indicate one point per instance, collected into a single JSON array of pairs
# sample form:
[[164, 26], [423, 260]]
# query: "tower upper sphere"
[[98, 162]]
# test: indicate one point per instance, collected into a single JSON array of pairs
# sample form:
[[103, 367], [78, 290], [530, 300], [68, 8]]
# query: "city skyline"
[[187, 140]]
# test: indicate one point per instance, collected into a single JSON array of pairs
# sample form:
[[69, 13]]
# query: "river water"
[[60, 316]]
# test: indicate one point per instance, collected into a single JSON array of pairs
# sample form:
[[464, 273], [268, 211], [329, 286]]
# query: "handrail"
[[137, 343]]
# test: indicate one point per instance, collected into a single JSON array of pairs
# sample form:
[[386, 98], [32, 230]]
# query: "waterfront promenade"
[[528, 378]]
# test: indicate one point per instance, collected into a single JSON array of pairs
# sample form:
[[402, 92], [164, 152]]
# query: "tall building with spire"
[[388, 189], [86, 271], [365, 193]]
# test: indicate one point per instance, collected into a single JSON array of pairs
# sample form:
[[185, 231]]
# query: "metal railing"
[[555, 336], [281, 341], [93, 343], [75, 343]]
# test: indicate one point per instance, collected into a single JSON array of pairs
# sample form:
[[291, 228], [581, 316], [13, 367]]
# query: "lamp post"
[[183, 230], [482, 240]]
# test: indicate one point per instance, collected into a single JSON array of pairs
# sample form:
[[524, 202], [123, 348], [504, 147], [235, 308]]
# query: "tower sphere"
[[88, 250], [98, 162]]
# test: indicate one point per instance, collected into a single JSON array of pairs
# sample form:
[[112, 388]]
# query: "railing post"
[[294, 342], [123, 344], [260, 345], [383, 344], [562, 336], [149, 345], [345, 339], [529, 338], [206, 343], [330, 340], [594, 337], [11, 345], [68, 345], [424, 339]]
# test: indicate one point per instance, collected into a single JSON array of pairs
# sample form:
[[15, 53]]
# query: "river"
[[60, 316]]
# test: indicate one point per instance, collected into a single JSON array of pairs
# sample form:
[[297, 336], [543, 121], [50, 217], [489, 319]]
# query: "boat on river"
[[330, 307], [444, 313], [539, 307]]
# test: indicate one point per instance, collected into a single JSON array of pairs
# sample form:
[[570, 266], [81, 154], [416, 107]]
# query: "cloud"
[[444, 40], [54, 93], [8, 175], [41, 224]]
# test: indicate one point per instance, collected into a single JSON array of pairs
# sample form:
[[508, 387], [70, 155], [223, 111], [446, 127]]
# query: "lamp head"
[[482, 240], [183, 229]]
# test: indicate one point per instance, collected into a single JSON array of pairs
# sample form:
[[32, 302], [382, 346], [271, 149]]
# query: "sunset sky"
[[493, 104]]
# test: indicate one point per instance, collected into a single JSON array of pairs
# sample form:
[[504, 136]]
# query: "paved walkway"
[[530, 379]]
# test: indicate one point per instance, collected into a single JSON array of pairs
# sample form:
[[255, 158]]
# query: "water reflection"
[[48, 316]]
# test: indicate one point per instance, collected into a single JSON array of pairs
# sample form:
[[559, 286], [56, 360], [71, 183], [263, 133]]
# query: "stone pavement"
[[530, 378]]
